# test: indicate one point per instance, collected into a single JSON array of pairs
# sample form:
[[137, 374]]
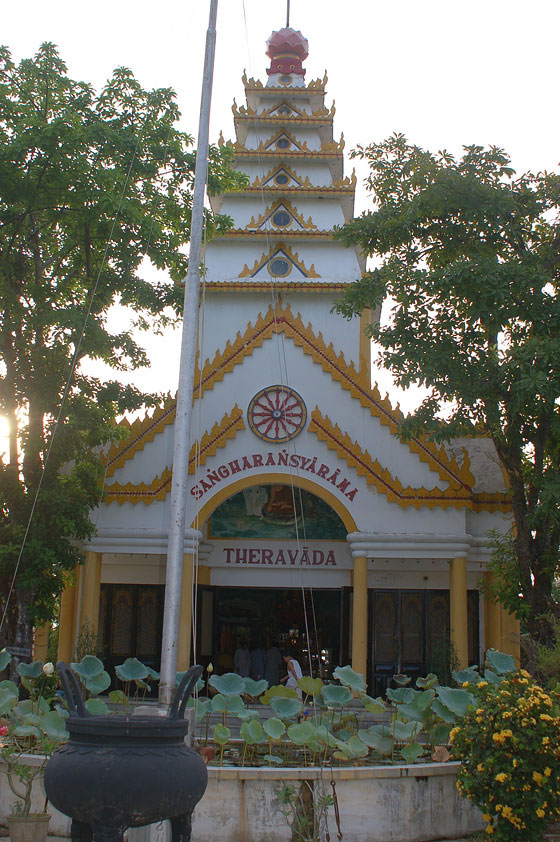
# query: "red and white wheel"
[[277, 414]]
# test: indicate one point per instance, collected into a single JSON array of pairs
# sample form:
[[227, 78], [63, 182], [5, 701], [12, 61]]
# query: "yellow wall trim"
[[264, 258]]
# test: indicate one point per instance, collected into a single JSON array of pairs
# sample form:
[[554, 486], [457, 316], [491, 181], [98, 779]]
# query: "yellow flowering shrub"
[[509, 747]]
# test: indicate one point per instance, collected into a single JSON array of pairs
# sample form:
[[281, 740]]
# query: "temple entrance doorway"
[[308, 622]]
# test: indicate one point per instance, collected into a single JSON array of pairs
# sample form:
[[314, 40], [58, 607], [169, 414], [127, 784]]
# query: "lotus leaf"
[[202, 708], [427, 682], [310, 686], [229, 684], [5, 659], [469, 674], [131, 670], [27, 731], [412, 752], [154, 676], [252, 732], [99, 683], [301, 733], [442, 711], [117, 697], [352, 749], [274, 759], [8, 685], [53, 724], [88, 667], [220, 734], [335, 695], [491, 677], [412, 712], [255, 688], [439, 735], [278, 691], [376, 706], [324, 735], [456, 700], [402, 695], [274, 728], [401, 680], [246, 714], [376, 738], [286, 708], [347, 676], [227, 704], [8, 700], [499, 661], [34, 670], [97, 707], [403, 732]]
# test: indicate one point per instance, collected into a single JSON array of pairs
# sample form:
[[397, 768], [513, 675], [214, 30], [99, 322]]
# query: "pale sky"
[[444, 73]]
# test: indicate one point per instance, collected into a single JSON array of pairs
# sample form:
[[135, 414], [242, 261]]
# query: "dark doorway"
[[409, 633], [130, 624], [308, 624]]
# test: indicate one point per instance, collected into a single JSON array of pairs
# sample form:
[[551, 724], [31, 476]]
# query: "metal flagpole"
[[288, 14], [183, 413]]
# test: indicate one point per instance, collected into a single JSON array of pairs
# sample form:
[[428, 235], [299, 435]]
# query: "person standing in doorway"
[[293, 672], [242, 660], [272, 664]]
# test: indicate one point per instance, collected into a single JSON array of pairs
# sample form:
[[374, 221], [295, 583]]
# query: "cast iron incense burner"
[[117, 772]]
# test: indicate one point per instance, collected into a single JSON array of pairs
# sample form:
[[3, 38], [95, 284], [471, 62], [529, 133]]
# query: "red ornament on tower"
[[286, 50]]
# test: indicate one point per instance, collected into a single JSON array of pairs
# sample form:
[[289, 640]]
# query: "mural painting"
[[276, 512]]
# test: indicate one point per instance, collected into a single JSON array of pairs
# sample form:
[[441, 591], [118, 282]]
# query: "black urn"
[[117, 772]]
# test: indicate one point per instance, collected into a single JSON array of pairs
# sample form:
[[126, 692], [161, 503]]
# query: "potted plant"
[[30, 734]]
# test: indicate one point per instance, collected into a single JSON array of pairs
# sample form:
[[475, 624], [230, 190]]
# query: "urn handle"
[[183, 692], [71, 689]]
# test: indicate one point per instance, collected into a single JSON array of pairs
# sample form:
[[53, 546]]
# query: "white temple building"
[[311, 524]]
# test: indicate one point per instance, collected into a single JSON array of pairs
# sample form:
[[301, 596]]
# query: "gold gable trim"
[[264, 258], [219, 435], [260, 182], [385, 483], [245, 112], [140, 432], [271, 209], [281, 320]]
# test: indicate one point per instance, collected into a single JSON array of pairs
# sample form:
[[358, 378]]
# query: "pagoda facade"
[[312, 524]]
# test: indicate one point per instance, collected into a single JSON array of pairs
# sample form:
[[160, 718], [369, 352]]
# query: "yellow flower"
[[482, 684], [514, 762], [547, 772], [453, 733], [546, 717], [540, 813], [480, 768], [489, 829], [537, 777], [501, 777], [545, 741], [486, 817]]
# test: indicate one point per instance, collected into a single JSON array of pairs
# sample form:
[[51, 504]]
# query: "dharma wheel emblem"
[[277, 414]]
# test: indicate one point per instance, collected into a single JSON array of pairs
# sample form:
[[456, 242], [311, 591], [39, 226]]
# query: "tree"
[[91, 185], [468, 254]]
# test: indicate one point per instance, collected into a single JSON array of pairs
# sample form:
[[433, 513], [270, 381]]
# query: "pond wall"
[[407, 803]]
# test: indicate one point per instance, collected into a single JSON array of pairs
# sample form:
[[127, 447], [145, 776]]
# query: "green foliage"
[[305, 809], [229, 684], [509, 749], [467, 256], [92, 186]]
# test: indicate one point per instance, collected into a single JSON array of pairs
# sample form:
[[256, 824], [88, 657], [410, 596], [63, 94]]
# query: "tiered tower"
[[281, 246]]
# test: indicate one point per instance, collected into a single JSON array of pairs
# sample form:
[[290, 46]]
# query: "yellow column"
[[458, 609], [203, 576], [492, 621], [185, 615], [359, 616], [41, 642], [67, 621], [89, 613]]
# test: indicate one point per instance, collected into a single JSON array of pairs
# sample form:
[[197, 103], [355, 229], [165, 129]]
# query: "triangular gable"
[[280, 216], [281, 320], [270, 179], [279, 262], [283, 109], [284, 142]]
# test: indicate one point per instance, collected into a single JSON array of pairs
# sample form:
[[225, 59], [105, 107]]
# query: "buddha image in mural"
[[275, 511]]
